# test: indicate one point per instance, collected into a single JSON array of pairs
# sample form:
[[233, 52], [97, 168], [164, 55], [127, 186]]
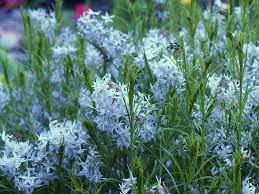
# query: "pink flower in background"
[[9, 4], [80, 9]]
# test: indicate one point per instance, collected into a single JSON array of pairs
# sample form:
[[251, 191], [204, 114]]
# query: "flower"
[[247, 187], [90, 167], [9, 4], [128, 184], [10, 165], [40, 159], [13, 154], [112, 104], [80, 9], [94, 58], [112, 43], [163, 67], [60, 52], [224, 153], [28, 182], [252, 64], [43, 21], [107, 18], [158, 188], [68, 134]]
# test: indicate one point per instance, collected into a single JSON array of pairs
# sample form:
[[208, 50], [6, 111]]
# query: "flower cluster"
[[129, 185], [111, 104], [165, 69], [112, 44], [93, 105], [41, 20], [34, 165]]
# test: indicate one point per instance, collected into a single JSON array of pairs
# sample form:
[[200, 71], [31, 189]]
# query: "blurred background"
[[100, 4], [11, 26]]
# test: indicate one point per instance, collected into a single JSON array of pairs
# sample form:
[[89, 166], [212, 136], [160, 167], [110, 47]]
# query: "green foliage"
[[179, 153]]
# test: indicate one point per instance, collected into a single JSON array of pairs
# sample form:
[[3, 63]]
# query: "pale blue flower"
[[90, 168], [28, 181], [128, 184], [112, 105], [248, 187], [114, 43], [46, 22]]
